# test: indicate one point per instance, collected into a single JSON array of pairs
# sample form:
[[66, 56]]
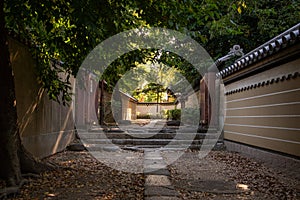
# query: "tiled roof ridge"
[[128, 95], [285, 39], [265, 83]]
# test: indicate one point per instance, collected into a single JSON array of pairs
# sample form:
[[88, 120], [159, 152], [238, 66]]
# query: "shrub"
[[174, 114], [143, 116]]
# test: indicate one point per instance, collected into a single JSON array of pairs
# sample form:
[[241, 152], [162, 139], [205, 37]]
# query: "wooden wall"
[[45, 126], [86, 100]]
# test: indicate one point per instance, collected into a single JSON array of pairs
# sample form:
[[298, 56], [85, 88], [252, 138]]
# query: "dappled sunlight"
[[27, 117], [242, 186], [62, 131]]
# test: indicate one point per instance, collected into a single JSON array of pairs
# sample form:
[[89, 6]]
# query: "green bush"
[[143, 116], [187, 115], [149, 116], [174, 114]]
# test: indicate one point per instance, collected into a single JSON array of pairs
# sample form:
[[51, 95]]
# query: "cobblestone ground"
[[226, 175]]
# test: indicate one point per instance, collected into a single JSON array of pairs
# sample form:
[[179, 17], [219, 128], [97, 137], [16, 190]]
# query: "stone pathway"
[[157, 184], [220, 175]]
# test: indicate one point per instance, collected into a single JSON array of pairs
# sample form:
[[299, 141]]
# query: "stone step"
[[146, 141], [140, 138], [161, 129], [112, 147], [126, 135], [102, 147]]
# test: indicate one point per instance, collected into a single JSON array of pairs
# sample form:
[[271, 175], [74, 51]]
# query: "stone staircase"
[[139, 138]]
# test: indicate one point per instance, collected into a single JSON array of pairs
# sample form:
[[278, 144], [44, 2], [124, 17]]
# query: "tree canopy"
[[68, 30], [148, 82]]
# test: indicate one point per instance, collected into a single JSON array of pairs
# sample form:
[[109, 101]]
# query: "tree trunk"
[[10, 165], [13, 156]]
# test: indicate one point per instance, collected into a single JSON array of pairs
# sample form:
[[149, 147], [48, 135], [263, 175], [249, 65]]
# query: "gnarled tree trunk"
[[14, 159], [10, 165]]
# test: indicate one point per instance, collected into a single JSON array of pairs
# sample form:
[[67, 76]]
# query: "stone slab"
[[157, 180], [162, 198], [152, 154], [164, 172], [151, 191], [150, 157], [154, 162], [155, 166]]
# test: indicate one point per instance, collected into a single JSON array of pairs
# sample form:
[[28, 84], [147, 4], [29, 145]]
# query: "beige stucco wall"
[[267, 113], [144, 109], [46, 127]]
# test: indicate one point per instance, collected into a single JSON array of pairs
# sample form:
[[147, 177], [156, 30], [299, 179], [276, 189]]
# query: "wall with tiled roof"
[[262, 90], [275, 45]]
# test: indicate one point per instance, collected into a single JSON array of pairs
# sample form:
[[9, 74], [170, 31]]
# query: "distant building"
[[129, 104]]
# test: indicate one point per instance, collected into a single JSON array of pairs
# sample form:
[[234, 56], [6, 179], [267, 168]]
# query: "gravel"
[[82, 177], [220, 175], [228, 175]]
